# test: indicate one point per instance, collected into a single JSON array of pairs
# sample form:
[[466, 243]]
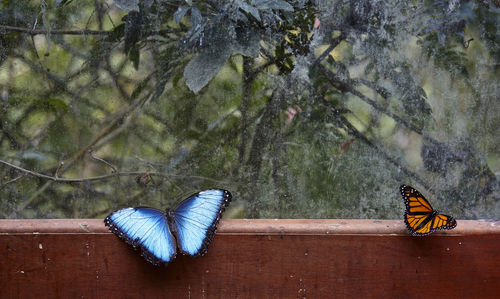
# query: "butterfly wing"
[[419, 225], [144, 228], [196, 218], [420, 218], [415, 202], [443, 222]]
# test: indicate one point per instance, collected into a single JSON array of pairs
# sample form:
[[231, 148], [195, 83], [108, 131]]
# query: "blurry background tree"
[[299, 108]]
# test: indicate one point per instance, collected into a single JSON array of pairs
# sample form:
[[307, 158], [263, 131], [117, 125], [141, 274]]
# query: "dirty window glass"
[[302, 109]]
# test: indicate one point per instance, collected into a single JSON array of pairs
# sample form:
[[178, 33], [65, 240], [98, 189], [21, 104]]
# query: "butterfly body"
[[189, 228], [420, 218]]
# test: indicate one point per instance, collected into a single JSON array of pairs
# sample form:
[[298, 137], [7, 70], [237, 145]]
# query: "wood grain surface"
[[69, 258]]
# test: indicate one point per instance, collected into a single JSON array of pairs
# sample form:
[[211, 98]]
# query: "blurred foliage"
[[302, 109]]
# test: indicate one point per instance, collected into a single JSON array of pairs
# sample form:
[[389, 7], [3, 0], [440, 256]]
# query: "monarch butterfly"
[[420, 218]]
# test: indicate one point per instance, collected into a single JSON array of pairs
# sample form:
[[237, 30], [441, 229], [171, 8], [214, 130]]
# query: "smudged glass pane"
[[302, 109]]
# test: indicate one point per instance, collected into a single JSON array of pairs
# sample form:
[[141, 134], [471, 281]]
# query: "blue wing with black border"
[[196, 220], [144, 228]]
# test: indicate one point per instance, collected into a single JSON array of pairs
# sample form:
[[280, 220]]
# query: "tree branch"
[[55, 31], [330, 48], [101, 177], [245, 103], [76, 32]]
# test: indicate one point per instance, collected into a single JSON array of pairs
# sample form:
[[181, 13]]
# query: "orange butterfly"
[[420, 218]]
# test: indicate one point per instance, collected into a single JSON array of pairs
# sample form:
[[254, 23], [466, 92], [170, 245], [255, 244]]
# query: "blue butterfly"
[[190, 227]]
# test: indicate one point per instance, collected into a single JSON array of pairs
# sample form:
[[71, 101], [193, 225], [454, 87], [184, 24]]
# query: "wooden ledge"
[[260, 258], [259, 227]]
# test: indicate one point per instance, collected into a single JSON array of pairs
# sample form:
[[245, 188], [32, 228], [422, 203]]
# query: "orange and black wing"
[[414, 201], [420, 218]]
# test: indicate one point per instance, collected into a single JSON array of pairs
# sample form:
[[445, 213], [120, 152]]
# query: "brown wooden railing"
[[70, 258]]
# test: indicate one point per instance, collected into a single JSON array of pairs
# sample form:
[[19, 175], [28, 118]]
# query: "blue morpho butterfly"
[[190, 227]]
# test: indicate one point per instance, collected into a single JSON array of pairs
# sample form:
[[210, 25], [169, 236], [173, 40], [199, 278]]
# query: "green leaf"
[[272, 4], [117, 34], [133, 27], [51, 104], [57, 104], [127, 5], [196, 17], [247, 42], [202, 68], [248, 9], [181, 11]]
